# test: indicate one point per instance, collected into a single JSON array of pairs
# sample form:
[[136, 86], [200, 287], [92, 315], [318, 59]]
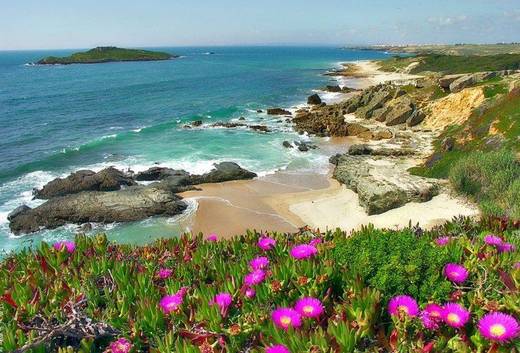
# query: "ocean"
[[58, 119]]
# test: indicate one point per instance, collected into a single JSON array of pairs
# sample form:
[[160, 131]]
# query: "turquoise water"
[[57, 119]]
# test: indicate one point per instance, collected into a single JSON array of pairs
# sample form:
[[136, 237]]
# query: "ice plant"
[[430, 316], [286, 317], [279, 348], [516, 266], [171, 303], [255, 277], [506, 247], [303, 251], [309, 307], [223, 300], [499, 327], [250, 293], [492, 240], [403, 304], [164, 273], [455, 273], [266, 243], [455, 315], [259, 263], [315, 241], [68, 245], [442, 241], [212, 237], [121, 345]]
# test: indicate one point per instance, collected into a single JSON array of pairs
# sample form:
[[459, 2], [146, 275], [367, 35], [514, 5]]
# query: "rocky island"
[[105, 55]]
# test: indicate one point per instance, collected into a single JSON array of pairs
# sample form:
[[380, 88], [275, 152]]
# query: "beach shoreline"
[[286, 201]]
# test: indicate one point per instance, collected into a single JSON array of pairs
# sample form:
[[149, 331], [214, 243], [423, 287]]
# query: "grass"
[[52, 299], [107, 54]]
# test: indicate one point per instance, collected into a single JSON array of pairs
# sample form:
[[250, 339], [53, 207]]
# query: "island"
[[107, 54]]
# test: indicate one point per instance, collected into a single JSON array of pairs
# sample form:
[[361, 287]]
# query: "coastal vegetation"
[[451, 289], [107, 54], [450, 49], [453, 64]]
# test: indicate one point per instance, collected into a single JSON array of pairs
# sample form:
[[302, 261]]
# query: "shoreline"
[[281, 203]]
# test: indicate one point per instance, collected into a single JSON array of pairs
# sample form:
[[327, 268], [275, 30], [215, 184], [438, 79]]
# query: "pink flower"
[[121, 345], [516, 265], [223, 300], [68, 245], [455, 315], [403, 304], [212, 237], [164, 273], [431, 315], [303, 251], [315, 241], [456, 273], [286, 317], [506, 247], [279, 348], [182, 291], [309, 307], [492, 240], [171, 303], [498, 327], [250, 293], [259, 263], [266, 243], [442, 241], [255, 277]]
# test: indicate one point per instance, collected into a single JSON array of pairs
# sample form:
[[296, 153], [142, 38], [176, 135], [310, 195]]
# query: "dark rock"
[[224, 171], [261, 128], [446, 81], [448, 144], [196, 123], [17, 212], [131, 204], [259, 111], [314, 99], [333, 88], [278, 111], [241, 118], [287, 144], [109, 179], [416, 118], [159, 173], [87, 227], [303, 148], [359, 149]]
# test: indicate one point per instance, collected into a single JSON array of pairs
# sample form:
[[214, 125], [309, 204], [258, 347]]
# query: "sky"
[[64, 24]]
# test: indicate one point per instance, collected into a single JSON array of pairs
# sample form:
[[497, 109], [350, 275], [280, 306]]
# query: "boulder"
[[402, 109], [278, 111], [314, 99], [224, 171], [259, 111], [131, 204], [383, 134], [446, 81], [376, 101], [159, 173], [287, 144], [416, 118], [462, 82], [241, 118], [196, 123], [333, 88], [260, 128], [109, 179], [354, 129], [17, 212]]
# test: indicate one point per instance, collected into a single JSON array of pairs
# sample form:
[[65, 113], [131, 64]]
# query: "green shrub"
[[397, 262], [492, 179]]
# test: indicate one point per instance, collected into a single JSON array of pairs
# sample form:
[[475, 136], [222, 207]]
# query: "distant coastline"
[[100, 55]]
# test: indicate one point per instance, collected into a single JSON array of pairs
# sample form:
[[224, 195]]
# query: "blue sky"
[[37, 24]]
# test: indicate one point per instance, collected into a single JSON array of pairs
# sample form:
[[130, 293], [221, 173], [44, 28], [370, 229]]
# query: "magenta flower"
[[68, 245], [455, 315], [250, 293], [492, 240], [516, 265], [255, 277], [182, 291], [279, 348], [164, 273], [430, 316], [403, 304], [315, 241], [121, 345], [223, 300], [266, 243], [259, 263], [286, 317], [212, 237], [171, 303], [303, 251], [442, 241], [506, 247], [309, 307], [498, 327], [456, 273]]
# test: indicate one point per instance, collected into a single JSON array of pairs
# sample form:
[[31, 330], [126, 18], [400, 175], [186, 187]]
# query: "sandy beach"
[[285, 201]]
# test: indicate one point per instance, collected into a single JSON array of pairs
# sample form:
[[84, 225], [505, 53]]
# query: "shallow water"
[[58, 119]]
